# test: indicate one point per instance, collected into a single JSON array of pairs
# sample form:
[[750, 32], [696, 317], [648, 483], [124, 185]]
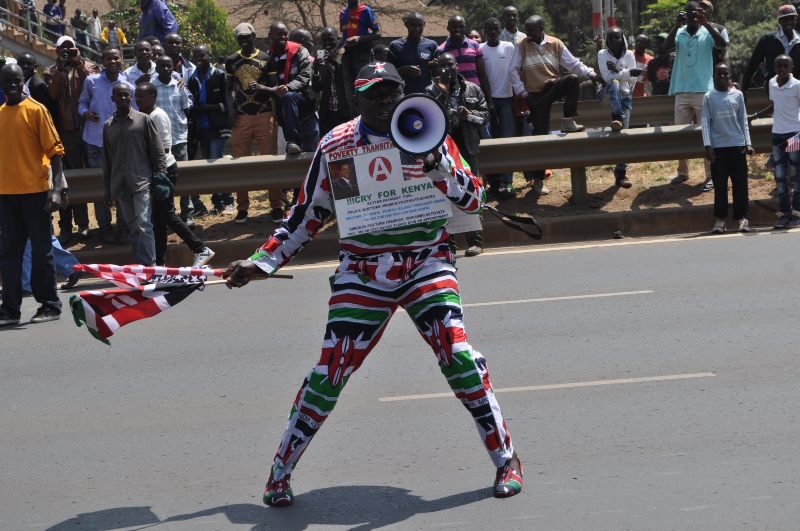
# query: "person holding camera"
[[467, 112], [328, 82], [66, 84], [692, 73]]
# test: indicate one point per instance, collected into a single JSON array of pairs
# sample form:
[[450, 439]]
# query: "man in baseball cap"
[[409, 266], [245, 28], [784, 40]]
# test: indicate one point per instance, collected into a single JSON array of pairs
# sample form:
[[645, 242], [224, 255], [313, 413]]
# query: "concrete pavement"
[[174, 426]]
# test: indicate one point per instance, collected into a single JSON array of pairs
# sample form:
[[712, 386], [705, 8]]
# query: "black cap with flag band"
[[375, 73]]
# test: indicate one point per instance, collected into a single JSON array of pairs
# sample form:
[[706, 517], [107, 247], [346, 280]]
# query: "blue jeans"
[[137, 209], [620, 110], [502, 127], [22, 217], [188, 203], [101, 211], [63, 259], [212, 149], [783, 162], [293, 104], [620, 106]]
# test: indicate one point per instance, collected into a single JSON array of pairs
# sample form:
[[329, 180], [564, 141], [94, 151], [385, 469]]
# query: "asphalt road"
[[174, 427]]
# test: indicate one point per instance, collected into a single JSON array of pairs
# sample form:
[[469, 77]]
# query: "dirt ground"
[[651, 189]]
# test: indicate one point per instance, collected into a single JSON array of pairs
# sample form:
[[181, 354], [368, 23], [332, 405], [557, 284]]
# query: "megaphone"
[[419, 124]]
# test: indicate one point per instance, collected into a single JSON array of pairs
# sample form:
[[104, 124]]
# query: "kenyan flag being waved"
[[147, 291]]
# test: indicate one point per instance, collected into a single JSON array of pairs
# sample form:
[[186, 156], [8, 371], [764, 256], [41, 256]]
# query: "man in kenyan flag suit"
[[409, 267]]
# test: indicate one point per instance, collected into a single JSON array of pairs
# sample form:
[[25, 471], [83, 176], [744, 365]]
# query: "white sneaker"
[[568, 125], [6, 320], [744, 225], [203, 257], [229, 210], [540, 188], [719, 227]]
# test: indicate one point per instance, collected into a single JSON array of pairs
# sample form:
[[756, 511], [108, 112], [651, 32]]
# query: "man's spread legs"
[[359, 309]]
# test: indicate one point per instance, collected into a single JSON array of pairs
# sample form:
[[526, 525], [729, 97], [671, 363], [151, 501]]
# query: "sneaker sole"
[[240, 221], [7, 322], [205, 260], [45, 319]]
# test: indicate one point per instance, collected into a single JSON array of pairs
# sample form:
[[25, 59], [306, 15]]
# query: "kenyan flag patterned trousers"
[[365, 294]]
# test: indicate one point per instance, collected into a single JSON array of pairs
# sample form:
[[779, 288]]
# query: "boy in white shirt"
[[784, 91], [619, 70], [164, 210]]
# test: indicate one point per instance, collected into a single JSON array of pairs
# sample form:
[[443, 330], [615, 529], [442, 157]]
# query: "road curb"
[[633, 224]]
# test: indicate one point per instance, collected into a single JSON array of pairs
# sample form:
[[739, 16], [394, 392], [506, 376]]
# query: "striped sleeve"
[[314, 206], [466, 189]]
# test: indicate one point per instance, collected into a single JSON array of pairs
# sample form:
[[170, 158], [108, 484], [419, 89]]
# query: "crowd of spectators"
[[170, 106]]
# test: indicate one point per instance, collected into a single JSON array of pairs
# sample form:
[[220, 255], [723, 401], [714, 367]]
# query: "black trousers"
[[331, 120], [22, 216], [540, 104], [730, 162], [75, 158], [164, 216]]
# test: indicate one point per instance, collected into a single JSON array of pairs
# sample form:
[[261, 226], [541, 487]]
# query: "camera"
[[691, 15], [72, 52]]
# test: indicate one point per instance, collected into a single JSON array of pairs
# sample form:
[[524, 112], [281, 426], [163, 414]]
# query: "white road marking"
[[567, 298], [566, 247], [633, 241], [548, 299], [563, 386]]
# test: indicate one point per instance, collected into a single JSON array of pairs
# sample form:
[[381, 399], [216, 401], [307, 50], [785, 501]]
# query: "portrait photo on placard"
[[343, 179]]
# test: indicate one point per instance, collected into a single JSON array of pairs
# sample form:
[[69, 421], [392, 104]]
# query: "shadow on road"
[[362, 507]]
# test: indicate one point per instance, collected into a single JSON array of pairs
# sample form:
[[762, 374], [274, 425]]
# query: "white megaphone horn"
[[419, 124]]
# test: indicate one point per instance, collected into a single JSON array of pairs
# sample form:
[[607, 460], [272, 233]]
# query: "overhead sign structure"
[[371, 193]]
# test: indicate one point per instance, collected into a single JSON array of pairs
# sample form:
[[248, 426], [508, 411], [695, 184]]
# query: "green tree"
[[661, 16], [199, 22], [211, 22], [743, 40]]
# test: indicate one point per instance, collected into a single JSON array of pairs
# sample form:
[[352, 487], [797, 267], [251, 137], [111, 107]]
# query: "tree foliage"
[[743, 41], [199, 22]]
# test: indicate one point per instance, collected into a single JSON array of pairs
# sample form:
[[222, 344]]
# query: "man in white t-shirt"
[[497, 56], [164, 208]]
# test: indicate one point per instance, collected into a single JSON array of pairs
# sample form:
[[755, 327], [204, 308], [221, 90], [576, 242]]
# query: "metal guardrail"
[[651, 110], [576, 151]]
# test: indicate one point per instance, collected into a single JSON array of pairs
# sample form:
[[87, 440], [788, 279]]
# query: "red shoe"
[[278, 493], [508, 481]]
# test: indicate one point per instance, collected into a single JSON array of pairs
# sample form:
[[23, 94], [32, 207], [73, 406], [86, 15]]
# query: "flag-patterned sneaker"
[[508, 481], [278, 493]]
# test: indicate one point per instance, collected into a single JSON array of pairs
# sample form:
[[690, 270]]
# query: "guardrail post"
[[580, 191]]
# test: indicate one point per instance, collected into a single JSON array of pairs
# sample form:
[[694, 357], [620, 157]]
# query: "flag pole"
[[256, 278]]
